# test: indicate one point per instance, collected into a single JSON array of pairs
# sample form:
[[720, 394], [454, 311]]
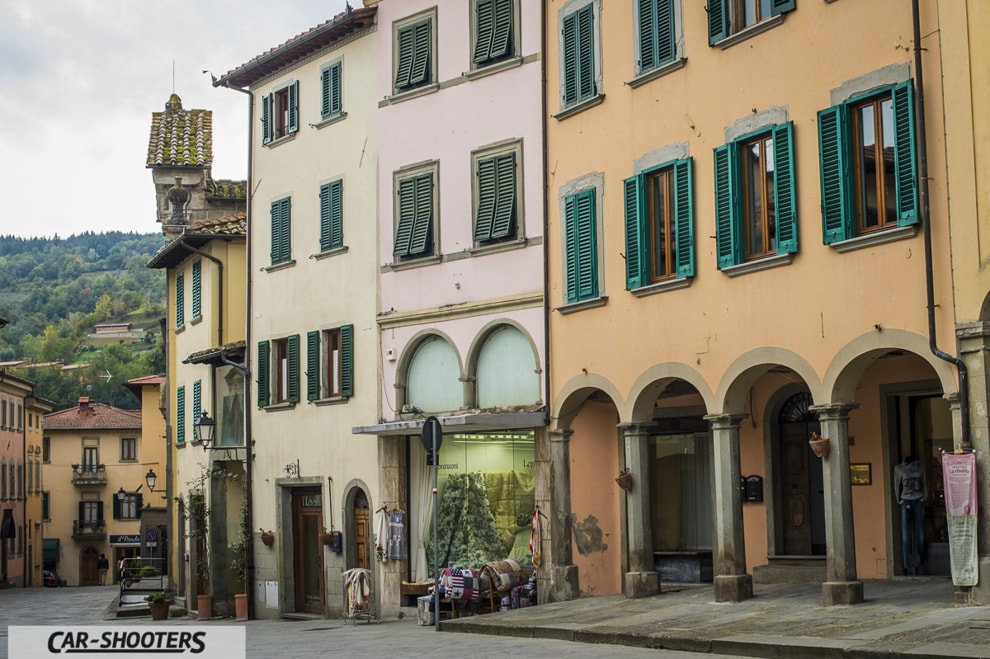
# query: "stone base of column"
[[842, 592], [733, 587], [979, 595], [564, 584], [641, 584]]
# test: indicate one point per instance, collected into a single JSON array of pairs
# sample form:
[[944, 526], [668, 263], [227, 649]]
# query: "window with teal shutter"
[[264, 373], [414, 228], [414, 44], [197, 290], [313, 375], [280, 113], [656, 33], [330, 90], [46, 506], [180, 300], [292, 387], [180, 415], [578, 56], [293, 109], [281, 212], [496, 214], [727, 17], [580, 246], [493, 31], [347, 361], [331, 215], [267, 121], [197, 399]]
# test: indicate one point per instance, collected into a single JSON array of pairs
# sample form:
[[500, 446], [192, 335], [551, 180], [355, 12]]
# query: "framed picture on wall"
[[861, 473]]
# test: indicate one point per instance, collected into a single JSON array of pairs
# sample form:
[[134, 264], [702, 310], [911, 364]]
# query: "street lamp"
[[151, 478], [203, 429]]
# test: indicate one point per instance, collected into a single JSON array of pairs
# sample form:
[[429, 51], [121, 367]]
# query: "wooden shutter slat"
[[718, 20], [634, 223], [347, 360], [485, 10], [647, 35], [784, 188], [725, 211], [313, 365], [420, 71], [294, 106], [503, 218], [904, 154], [486, 200], [419, 242], [501, 30], [292, 388], [836, 218], [407, 217], [684, 217], [264, 373]]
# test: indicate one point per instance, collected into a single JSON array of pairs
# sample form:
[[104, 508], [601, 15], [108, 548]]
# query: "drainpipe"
[[927, 229], [246, 367], [182, 241], [546, 223]]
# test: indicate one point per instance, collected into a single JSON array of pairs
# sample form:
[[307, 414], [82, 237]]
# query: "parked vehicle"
[[51, 579]]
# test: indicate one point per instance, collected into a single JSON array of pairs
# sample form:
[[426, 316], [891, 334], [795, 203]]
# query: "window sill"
[[599, 301], [399, 97], [196, 321], [751, 31], [275, 267], [337, 400], [278, 407], [179, 444], [758, 265], [658, 72], [413, 263], [180, 329], [329, 120], [597, 99], [282, 140], [875, 238], [491, 69], [518, 243], [661, 287], [330, 252]]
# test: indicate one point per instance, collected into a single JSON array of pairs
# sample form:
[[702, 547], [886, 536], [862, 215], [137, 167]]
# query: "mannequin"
[[910, 490]]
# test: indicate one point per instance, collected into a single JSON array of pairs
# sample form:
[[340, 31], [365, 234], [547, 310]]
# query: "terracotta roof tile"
[[93, 416], [233, 224], [181, 137]]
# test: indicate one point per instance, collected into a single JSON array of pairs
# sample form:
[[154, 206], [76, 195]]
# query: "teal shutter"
[[570, 248], [420, 240], [502, 30], [484, 30], [419, 60], [727, 233], [312, 365], [281, 211], [406, 45], [276, 213], [292, 389], [197, 399], [180, 302], [656, 33], [785, 199], [407, 216], [197, 289], [684, 218], [782, 6], [570, 58], [330, 93], [347, 360], [267, 126], [832, 135], [264, 369], [635, 236], [718, 21], [116, 506], [904, 154], [180, 415], [331, 215], [139, 503], [294, 106], [585, 253], [486, 200], [504, 215], [586, 47]]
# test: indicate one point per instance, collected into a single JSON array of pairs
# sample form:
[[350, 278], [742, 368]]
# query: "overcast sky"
[[79, 80]]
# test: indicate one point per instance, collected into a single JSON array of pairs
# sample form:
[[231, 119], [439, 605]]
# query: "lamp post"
[[203, 429], [151, 478]]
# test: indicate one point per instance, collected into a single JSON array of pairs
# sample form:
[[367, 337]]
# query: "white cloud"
[[79, 80]]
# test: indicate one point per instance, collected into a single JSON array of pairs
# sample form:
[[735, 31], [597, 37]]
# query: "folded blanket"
[[458, 584], [503, 575]]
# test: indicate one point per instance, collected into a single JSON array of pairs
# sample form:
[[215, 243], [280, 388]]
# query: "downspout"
[[246, 367], [182, 241], [546, 220], [927, 230]]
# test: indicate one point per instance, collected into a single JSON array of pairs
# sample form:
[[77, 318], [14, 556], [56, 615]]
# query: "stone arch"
[[408, 356], [476, 350], [568, 400], [742, 373], [648, 387], [985, 309], [851, 362]]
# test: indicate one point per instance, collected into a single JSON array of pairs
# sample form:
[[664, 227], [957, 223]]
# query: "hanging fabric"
[[381, 536], [397, 550], [536, 539]]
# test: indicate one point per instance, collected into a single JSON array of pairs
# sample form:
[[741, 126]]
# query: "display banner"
[[131, 641], [959, 474]]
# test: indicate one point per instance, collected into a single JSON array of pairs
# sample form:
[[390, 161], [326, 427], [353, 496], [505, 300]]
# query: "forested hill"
[[54, 291]]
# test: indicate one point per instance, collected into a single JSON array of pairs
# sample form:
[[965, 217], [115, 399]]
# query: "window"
[[20, 479], [727, 17], [331, 215], [580, 246], [129, 508], [281, 231], [91, 512], [415, 64], [197, 289], [90, 458], [330, 91], [659, 208], [30, 474], [493, 31], [280, 113], [128, 448], [755, 212], [3, 478], [45, 506], [498, 182], [578, 43], [415, 216], [330, 363], [656, 37], [278, 371], [46, 449], [868, 164], [197, 399], [180, 300], [3, 413], [180, 415]]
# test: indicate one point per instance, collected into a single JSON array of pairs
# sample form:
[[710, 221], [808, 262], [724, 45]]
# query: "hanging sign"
[[959, 474]]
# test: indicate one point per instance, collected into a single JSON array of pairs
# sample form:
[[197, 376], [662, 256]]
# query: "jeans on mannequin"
[[913, 528]]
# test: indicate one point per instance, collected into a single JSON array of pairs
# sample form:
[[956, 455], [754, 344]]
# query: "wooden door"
[[795, 489], [307, 518], [87, 567], [362, 545]]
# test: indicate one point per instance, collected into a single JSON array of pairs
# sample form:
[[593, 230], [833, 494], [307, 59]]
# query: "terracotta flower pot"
[[159, 610], [204, 607], [820, 446], [625, 480], [241, 606], [268, 539]]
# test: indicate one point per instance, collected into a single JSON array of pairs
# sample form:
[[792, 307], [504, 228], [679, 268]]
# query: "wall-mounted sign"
[[125, 539]]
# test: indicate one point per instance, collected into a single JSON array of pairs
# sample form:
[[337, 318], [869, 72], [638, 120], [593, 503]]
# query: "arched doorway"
[[801, 491], [359, 549], [87, 567]]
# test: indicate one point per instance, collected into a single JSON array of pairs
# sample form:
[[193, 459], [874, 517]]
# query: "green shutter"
[[180, 415], [180, 301], [197, 399], [116, 506], [503, 221], [99, 511], [832, 136], [570, 59], [718, 21], [267, 126], [785, 198], [197, 289], [485, 30], [420, 243], [138, 503], [782, 6], [264, 369], [82, 512], [420, 72], [656, 33], [586, 47], [486, 200], [292, 388], [406, 49], [570, 248], [331, 215], [347, 360], [330, 105], [582, 258], [312, 365], [684, 217], [281, 211], [502, 30], [727, 233], [407, 217], [45, 502], [294, 106], [634, 233], [276, 212], [904, 154]]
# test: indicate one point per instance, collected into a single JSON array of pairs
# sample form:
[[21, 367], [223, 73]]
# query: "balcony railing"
[[89, 530], [89, 474]]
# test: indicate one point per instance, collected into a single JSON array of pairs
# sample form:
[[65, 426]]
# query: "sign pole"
[[432, 438]]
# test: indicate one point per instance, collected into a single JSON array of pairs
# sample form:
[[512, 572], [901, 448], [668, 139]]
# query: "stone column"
[[732, 583], [642, 580], [841, 586], [563, 574]]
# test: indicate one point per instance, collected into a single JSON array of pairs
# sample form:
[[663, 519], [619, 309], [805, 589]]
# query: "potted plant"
[[326, 537], [158, 604], [267, 537]]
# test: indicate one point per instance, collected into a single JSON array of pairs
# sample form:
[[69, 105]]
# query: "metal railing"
[[83, 530], [86, 474], [140, 576]]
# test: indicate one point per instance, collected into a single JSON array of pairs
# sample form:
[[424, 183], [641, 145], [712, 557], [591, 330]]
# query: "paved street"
[[304, 639]]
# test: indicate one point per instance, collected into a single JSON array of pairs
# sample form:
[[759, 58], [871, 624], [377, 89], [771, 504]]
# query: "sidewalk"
[[902, 617]]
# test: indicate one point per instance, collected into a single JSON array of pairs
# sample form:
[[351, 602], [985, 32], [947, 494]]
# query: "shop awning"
[[49, 551], [460, 423]]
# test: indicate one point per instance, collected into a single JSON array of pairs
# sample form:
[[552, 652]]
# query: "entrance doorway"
[[87, 567], [307, 524], [801, 495], [360, 549]]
